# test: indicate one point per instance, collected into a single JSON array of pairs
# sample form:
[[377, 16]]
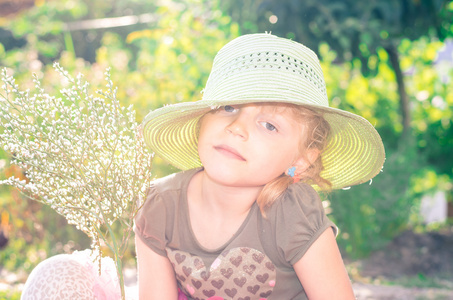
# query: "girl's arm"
[[156, 277], [321, 270]]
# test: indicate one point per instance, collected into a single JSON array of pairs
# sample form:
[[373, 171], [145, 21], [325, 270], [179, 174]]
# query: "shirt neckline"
[[186, 215]]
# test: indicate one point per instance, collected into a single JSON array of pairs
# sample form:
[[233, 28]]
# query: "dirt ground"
[[430, 254], [425, 258], [382, 292]]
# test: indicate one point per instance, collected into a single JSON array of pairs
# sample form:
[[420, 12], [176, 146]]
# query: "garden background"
[[389, 61]]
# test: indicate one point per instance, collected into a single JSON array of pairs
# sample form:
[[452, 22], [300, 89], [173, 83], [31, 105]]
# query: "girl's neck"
[[228, 201], [217, 211]]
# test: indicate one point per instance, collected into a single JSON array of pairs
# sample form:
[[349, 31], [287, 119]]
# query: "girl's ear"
[[305, 161]]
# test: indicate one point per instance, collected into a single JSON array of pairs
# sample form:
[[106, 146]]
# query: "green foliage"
[[421, 281], [10, 295], [35, 231], [370, 215], [432, 103], [354, 29]]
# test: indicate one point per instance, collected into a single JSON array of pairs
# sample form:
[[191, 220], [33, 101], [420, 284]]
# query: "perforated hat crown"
[[266, 68]]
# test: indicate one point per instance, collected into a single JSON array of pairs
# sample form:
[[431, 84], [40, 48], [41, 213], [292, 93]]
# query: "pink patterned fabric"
[[73, 276]]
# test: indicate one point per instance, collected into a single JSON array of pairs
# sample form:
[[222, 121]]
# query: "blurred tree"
[[353, 29], [10, 7], [389, 204], [52, 27]]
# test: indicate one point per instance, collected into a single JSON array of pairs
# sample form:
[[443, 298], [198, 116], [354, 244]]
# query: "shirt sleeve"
[[151, 220], [299, 220]]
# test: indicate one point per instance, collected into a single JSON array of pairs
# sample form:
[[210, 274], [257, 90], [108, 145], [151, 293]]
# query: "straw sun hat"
[[266, 68]]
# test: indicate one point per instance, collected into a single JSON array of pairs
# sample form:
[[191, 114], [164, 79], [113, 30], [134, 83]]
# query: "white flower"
[[81, 154]]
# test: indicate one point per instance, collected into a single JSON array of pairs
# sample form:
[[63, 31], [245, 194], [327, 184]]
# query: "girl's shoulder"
[[299, 211], [164, 203], [172, 182], [300, 198], [297, 218], [167, 191]]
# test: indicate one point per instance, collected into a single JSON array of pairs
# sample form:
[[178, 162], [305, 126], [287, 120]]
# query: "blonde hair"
[[317, 132]]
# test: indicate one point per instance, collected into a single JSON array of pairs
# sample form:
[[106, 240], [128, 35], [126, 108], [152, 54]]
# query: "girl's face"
[[248, 145]]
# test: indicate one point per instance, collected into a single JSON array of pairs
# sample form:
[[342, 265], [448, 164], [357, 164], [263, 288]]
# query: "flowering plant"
[[81, 154]]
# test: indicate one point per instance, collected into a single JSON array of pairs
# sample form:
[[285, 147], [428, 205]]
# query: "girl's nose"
[[238, 127]]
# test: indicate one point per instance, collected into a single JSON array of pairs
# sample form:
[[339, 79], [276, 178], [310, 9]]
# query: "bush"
[[370, 215]]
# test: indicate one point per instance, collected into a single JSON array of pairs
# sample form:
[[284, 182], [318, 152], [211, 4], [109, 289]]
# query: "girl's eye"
[[269, 126], [229, 108]]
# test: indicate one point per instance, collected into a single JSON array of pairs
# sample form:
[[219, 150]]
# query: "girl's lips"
[[229, 152]]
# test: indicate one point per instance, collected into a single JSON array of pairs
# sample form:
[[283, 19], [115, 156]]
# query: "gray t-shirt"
[[255, 263]]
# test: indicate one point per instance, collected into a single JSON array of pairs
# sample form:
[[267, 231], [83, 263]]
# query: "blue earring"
[[291, 171]]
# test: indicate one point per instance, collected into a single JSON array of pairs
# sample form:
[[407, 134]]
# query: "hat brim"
[[354, 153]]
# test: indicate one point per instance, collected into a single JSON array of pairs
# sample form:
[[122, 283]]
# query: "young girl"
[[243, 221]]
